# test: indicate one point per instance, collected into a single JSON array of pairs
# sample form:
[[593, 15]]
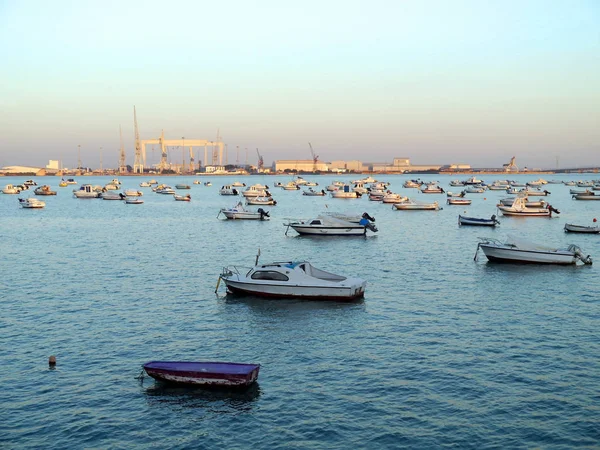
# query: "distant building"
[[22, 170], [53, 165], [346, 166], [300, 165]]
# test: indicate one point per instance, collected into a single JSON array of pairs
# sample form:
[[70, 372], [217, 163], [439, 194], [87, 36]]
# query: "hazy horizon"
[[439, 82]]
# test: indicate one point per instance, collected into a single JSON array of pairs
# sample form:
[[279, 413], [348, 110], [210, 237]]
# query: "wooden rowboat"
[[207, 374]]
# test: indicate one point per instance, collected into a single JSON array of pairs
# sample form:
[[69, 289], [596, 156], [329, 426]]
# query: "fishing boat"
[[312, 193], [393, 198], [475, 221], [31, 203], [572, 228], [205, 374], [11, 189], [412, 205], [432, 189], [327, 225], [144, 184], [228, 189], [134, 201], [261, 201], [345, 192], [520, 251], [240, 213], [458, 201], [183, 198], [44, 190], [86, 191], [588, 196], [519, 208], [291, 279]]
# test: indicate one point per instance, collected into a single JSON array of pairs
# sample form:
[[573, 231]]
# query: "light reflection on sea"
[[443, 350]]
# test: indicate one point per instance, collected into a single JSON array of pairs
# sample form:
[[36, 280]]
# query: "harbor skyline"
[[439, 82]]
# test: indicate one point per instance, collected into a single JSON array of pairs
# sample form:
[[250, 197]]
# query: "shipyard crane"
[[261, 161], [314, 157]]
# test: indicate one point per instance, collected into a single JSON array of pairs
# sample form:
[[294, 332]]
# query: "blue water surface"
[[444, 351]]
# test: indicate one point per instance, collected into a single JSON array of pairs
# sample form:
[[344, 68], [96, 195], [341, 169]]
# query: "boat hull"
[[474, 221], [243, 215], [581, 229], [205, 374], [513, 255], [343, 293], [329, 231]]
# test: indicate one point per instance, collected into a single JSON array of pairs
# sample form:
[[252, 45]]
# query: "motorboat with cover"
[[588, 196], [327, 225], [345, 192], [312, 193], [291, 279], [228, 189], [86, 191], [528, 203], [521, 251], [581, 229], [239, 212], [11, 189], [31, 203], [44, 190], [206, 374], [520, 208], [458, 201], [475, 221], [269, 201]]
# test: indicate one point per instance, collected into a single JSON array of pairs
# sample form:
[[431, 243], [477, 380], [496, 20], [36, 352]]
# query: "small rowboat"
[[581, 229], [590, 196], [458, 201], [183, 198], [491, 222], [207, 374], [134, 201]]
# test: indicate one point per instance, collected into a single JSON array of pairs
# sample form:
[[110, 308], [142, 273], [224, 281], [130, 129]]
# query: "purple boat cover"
[[203, 367]]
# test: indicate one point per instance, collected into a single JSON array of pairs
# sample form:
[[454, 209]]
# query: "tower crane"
[[314, 157], [261, 162]]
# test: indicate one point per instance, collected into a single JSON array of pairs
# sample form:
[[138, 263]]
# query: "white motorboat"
[[182, 198], [585, 183], [240, 213], [256, 191], [475, 189], [327, 225], [238, 184], [519, 208], [165, 190], [472, 180], [412, 205], [581, 229], [196, 182], [290, 186], [520, 251], [412, 184], [570, 183], [476, 221], [312, 193], [30, 183], [455, 194], [133, 193], [394, 198], [293, 279], [334, 186], [112, 196], [458, 201], [261, 201], [70, 181], [228, 189], [44, 190], [31, 203], [360, 188], [111, 187], [144, 184], [456, 183], [345, 192], [11, 189], [86, 191], [376, 196], [537, 204], [311, 183], [115, 182], [134, 201], [300, 181], [366, 180]]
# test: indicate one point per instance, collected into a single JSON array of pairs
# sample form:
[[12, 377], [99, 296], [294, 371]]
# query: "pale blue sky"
[[436, 81]]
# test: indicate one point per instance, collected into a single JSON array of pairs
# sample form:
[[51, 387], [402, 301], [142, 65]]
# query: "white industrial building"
[[300, 165]]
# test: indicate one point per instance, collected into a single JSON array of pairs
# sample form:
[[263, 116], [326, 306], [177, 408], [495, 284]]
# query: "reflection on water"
[[219, 400]]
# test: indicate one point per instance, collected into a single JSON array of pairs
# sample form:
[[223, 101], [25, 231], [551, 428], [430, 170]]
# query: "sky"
[[439, 82]]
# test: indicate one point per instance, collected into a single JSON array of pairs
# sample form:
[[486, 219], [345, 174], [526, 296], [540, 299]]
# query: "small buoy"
[[52, 361], [595, 220], [484, 198]]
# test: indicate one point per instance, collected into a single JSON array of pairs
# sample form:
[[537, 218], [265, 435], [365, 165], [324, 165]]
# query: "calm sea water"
[[443, 351]]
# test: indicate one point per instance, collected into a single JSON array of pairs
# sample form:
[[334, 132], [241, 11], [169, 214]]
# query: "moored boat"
[[31, 203], [327, 225], [519, 208], [11, 189], [570, 227], [520, 251], [241, 213], [261, 201], [86, 191], [312, 193], [412, 205], [134, 201], [183, 198], [588, 196], [206, 374], [476, 221], [292, 279], [44, 190], [345, 192], [458, 201]]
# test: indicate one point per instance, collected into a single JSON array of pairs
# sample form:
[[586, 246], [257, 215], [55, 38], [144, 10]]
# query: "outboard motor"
[[263, 213], [368, 217], [235, 192]]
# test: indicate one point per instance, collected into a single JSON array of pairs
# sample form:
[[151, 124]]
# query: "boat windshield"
[[269, 275]]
